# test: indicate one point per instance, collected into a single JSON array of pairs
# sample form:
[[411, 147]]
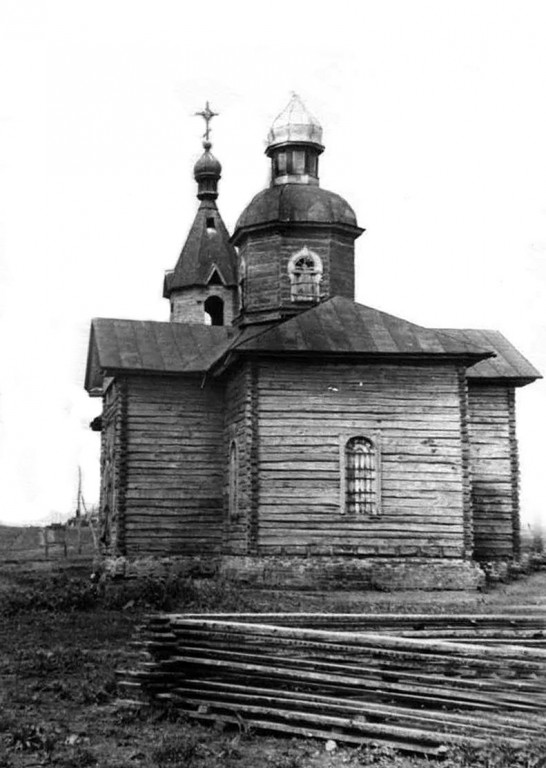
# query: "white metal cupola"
[[294, 144]]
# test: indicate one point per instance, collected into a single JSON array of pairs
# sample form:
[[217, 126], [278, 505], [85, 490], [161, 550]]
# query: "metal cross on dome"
[[207, 114]]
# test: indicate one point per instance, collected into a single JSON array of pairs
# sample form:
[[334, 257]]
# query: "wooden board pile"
[[514, 629], [288, 673]]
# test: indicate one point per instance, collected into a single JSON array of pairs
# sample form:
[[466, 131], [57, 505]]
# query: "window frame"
[[241, 283], [375, 439], [317, 275], [233, 480]]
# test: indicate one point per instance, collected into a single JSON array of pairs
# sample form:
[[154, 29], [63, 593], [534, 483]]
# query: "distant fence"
[[47, 546]]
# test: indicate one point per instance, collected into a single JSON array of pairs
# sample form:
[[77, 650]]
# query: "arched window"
[[233, 480], [361, 482], [214, 308], [305, 273]]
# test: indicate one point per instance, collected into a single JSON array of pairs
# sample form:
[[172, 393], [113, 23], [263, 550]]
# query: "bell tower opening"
[[214, 311]]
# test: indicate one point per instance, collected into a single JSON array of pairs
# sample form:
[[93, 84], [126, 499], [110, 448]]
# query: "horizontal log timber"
[[493, 454], [310, 731], [369, 639], [362, 706], [348, 523], [309, 509], [343, 538], [371, 712], [398, 685], [360, 725], [292, 675], [375, 661], [303, 618], [464, 672]]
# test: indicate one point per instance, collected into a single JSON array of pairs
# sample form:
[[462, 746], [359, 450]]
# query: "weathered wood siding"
[[267, 255], [239, 428], [303, 412], [175, 465], [111, 504], [494, 471]]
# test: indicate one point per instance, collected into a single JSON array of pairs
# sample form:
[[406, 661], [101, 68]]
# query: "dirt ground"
[[58, 695]]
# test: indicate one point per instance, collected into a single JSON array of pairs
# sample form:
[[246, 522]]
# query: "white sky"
[[434, 118]]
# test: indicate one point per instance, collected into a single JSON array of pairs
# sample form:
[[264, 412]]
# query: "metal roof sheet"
[[508, 363], [150, 346], [342, 326], [205, 248], [295, 203], [338, 326]]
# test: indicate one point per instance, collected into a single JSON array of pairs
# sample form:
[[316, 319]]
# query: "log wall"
[[238, 427], [175, 465], [266, 255], [111, 460], [494, 471], [306, 410]]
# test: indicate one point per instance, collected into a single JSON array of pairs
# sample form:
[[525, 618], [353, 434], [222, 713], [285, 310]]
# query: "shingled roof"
[[508, 363], [206, 249], [340, 326], [145, 346]]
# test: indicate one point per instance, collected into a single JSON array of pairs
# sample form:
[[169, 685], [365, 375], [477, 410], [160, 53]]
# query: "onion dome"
[[294, 144], [207, 172], [295, 124]]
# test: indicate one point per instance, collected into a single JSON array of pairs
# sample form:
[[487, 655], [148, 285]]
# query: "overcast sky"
[[434, 118]]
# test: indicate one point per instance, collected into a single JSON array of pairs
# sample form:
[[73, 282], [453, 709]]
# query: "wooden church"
[[276, 431]]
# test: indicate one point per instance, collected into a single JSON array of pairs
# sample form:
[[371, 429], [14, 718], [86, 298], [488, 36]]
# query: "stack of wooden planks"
[[355, 683], [515, 629]]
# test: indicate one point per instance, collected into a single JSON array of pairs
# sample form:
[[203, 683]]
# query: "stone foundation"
[[353, 574], [308, 573], [159, 567]]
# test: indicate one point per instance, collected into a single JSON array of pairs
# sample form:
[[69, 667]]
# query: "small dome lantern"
[[294, 143]]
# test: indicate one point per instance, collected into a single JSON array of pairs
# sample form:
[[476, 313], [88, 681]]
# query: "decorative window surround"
[[233, 481], [305, 273], [360, 475]]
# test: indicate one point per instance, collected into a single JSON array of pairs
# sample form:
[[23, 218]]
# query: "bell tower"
[[295, 239], [202, 288]]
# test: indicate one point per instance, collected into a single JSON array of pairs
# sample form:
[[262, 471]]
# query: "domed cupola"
[[207, 172], [294, 144], [296, 240]]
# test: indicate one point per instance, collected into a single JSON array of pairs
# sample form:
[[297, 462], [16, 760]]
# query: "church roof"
[[335, 327], [295, 203], [146, 346], [340, 326], [206, 248], [508, 363]]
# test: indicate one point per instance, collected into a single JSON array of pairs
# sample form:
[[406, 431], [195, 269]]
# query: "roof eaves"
[[91, 351], [513, 381], [331, 225]]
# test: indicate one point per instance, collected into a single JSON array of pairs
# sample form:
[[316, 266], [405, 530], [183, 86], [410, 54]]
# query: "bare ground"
[[57, 688]]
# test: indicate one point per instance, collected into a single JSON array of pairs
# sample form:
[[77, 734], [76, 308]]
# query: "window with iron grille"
[[305, 273], [361, 477]]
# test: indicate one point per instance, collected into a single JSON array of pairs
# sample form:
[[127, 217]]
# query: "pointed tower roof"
[[207, 254], [207, 251]]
